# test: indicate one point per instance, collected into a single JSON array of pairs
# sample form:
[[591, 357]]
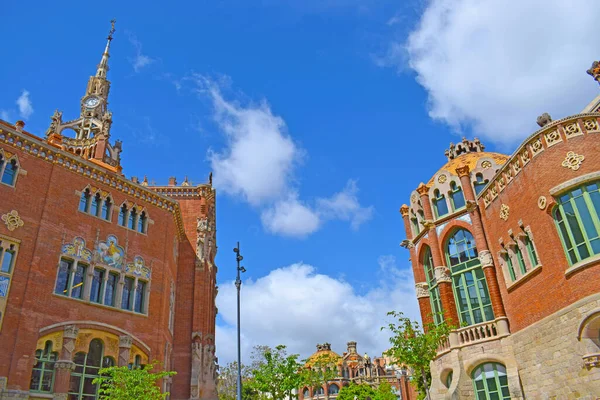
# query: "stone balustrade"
[[478, 333]]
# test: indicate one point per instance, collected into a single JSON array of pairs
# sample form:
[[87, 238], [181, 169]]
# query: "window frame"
[[456, 191], [15, 167], [439, 198], [435, 300], [496, 376], [45, 357]]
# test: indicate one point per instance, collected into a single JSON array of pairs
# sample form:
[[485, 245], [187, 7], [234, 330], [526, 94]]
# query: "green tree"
[[274, 372], [122, 383], [320, 370], [356, 392], [384, 391], [416, 347], [227, 381]]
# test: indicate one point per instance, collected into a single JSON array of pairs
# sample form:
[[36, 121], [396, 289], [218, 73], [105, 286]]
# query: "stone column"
[[65, 365], [444, 284], [125, 343], [485, 257]]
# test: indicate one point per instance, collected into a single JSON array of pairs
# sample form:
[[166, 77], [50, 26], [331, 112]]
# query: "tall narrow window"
[[439, 204], [95, 210], [64, 277], [434, 290], [479, 183], [97, 285], [414, 222], [127, 298], [10, 173], [140, 294], [7, 261], [84, 201], [456, 196], [509, 266], [141, 225], [491, 382], [132, 218], [123, 215], [520, 259], [531, 251], [468, 280], [106, 209], [111, 289], [78, 281], [87, 367], [42, 376], [577, 217]]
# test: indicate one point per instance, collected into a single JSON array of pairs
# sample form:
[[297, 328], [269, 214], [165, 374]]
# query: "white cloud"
[[140, 60], [259, 164], [5, 115], [495, 65], [298, 307], [24, 104], [345, 206]]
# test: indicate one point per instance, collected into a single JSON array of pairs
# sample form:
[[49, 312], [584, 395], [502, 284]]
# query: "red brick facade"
[[175, 325]]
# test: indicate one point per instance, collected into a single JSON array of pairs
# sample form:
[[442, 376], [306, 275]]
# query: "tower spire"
[[103, 66]]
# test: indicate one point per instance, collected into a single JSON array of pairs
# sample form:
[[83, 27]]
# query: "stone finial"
[[185, 182], [145, 181], [135, 179], [544, 119], [465, 146], [172, 181], [404, 210], [594, 71], [463, 170], [423, 189], [19, 125]]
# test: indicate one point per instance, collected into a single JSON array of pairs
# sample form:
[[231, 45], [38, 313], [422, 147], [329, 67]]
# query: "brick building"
[[508, 249], [96, 269], [352, 367]]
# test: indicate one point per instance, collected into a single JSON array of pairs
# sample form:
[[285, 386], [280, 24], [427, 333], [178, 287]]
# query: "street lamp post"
[[238, 285]]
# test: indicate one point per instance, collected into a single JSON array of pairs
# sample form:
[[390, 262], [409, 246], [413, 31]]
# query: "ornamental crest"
[[573, 161], [111, 253], [138, 268], [77, 250], [12, 220], [504, 211]]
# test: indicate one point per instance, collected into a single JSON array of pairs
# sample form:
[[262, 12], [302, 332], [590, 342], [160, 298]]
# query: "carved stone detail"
[[504, 211], [544, 119], [542, 202], [442, 274], [572, 161], [423, 189], [422, 289], [204, 371], [125, 341], [71, 332], [64, 364], [486, 164], [442, 178], [12, 220], [485, 258], [428, 224], [471, 206], [404, 210], [407, 244], [594, 71], [463, 170]]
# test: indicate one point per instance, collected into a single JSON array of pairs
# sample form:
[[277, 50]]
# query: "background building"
[[352, 367], [508, 248], [98, 270]]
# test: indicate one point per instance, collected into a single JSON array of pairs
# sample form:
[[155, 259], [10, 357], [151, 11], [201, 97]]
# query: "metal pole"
[[238, 285]]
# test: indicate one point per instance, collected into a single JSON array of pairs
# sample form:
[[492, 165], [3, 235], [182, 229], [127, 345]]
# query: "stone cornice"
[[34, 146], [554, 133]]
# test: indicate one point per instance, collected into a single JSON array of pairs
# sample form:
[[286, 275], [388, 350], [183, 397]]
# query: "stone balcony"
[[474, 334]]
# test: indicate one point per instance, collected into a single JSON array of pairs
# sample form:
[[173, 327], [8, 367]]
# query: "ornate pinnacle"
[[594, 71], [112, 29]]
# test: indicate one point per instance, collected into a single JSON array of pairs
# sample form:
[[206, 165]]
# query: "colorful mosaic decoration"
[[111, 253], [77, 250], [4, 282], [138, 268]]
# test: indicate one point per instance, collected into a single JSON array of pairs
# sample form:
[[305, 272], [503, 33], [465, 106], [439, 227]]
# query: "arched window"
[[470, 287], [10, 172], [434, 290], [479, 183], [509, 265], [520, 259], [142, 221], [440, 206], [319, 391], [95, 210], [87, 367], [123, 215], [42, 377], [490, 382], [456, 196], [127, 295], [333, 389], [577, 218], [140, 296], [414, 221], [531, 251], [306, 393], [132, 218], [84, 201], [107, 209]]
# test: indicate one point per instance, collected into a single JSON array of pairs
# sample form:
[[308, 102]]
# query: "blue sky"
[[317, 118]]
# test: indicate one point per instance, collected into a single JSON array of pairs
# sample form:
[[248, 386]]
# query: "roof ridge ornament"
[[594, 71], [463, 147]]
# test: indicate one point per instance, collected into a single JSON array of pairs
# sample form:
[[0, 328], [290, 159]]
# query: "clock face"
[[91, 102]]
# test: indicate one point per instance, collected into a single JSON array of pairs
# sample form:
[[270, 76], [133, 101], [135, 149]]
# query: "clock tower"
[[90, 133]]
